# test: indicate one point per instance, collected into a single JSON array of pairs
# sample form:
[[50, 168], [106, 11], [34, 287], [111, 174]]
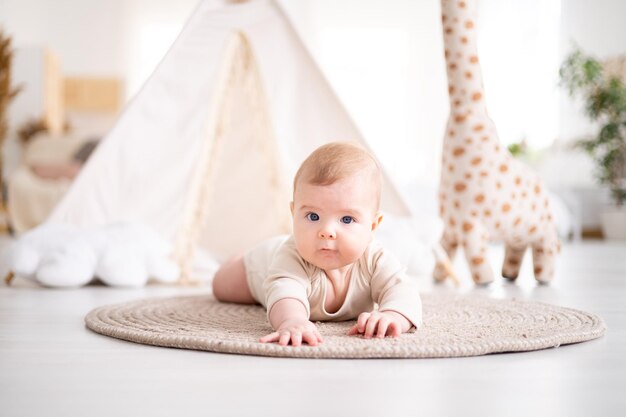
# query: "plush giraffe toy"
[[485, 194]]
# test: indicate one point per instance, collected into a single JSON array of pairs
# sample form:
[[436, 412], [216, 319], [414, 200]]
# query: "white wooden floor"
[[51, 365]]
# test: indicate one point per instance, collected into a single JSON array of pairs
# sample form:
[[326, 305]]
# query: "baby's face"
[[334, 224]]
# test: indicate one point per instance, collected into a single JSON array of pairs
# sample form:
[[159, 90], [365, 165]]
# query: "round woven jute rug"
[[453, 326]]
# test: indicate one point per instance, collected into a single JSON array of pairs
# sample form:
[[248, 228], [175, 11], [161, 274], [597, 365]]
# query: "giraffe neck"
[[465, 83]]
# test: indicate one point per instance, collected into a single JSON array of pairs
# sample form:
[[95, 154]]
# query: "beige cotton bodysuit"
[[275, 270]]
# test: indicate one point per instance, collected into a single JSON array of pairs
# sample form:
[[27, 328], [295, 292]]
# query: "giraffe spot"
[[487, 213], [477, 161], [452, 66], [473, 59], [464, 39], [451, 89], [479, 198], [457, 204], [517, 221], [504, 168], [467, 226], [518, 180], [478, 127], [448, 30], [477, 96], [549, 217], [468, 175], [460, 187], [477, 260], [457, 103], [459, 55], [532, 229], [459, 118], [469, 141], [513, 195], [443, 17], [513, 261], [443, 196], [485, 138], [468, 75], [451, 132], [484, 174], [497, 225], [462, 4], [538, 270], [506, 207], [450, 168], [497, 148], [474, 213], [545, 203], [537, 189], [469, 24], [458, 151], [446, 53], [533, 207], [539, 250], [441, 210], [452, 222], [498, 185], [524, 194]]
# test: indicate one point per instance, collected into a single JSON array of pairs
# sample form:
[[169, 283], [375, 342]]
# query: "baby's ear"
[[376, 222]]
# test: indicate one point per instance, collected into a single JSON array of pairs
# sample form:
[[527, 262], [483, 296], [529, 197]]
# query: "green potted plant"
[[604, 97]]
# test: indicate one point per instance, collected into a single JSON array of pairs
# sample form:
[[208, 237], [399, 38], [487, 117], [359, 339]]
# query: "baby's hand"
[[380, 324], [296, 331]]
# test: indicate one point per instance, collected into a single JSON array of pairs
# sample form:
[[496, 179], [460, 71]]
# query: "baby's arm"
[[397, 295], [289, 318], [380, 324]]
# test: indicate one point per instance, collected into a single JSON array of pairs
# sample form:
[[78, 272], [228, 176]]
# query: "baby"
[[329, 269]]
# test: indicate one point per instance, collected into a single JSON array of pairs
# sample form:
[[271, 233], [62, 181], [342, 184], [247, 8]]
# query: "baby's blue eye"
[[313, 217], [347, 219]]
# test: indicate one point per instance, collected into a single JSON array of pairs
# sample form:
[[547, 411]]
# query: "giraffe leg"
[[475, 248], [449, 245], [545, 251], [513, 256]]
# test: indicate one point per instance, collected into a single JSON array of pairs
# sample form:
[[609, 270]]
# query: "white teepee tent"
[[205, 152]]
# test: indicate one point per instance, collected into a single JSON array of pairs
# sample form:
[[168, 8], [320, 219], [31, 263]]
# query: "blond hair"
[[336, 161]]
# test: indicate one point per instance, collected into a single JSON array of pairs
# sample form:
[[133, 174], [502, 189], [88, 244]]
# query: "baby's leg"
[[230, 284]]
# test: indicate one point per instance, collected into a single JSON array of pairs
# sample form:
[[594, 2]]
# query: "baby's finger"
[[272, 337], [310, 338], [362, 321], [370, 328], [296, 338], [383, 323], [284, 338], [394, 329], [353, 330], [320, 339]]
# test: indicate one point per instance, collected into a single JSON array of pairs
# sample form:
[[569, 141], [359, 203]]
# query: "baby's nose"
[[327, 233]]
